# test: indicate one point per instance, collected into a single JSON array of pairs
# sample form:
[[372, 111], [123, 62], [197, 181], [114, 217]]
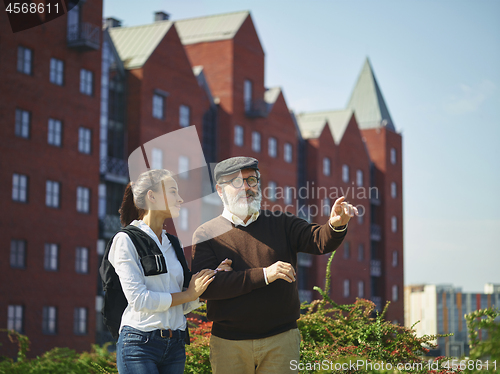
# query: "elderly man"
[[255, 307]]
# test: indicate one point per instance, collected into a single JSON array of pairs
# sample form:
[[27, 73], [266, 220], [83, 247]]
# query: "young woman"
[[153, 326]]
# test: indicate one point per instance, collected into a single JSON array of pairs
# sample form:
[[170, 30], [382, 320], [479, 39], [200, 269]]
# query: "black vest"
[[153, 263]]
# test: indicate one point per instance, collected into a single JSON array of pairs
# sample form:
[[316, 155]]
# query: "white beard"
[[243, 208]]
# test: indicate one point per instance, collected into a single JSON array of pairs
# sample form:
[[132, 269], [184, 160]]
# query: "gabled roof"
[[270, 97], [311, 124], [136, 44], [210, 28], [368, 103]]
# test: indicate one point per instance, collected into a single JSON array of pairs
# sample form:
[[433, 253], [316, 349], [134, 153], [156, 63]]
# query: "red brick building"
[[49, 147]]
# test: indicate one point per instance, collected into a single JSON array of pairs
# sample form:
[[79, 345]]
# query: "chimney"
[[112, 22], [161, 16]]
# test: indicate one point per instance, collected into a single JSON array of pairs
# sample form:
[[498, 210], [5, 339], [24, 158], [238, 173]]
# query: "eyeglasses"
[[238, 181]]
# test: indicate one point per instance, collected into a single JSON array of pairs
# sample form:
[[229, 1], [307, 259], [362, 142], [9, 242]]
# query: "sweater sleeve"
[[227, 284], [311, 237], [125, 260]]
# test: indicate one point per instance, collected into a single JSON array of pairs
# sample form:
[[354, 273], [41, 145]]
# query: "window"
[[84, 140], [50, 260], [345, 173], [288, 195], [346, 288], [24, 60], [183, 167], [54, 136], [184, 115], [287, 154], [247, 95], [361, 252], [23, 123], [393, 156], [56, 71], [15, 318], [80, 321], [394, 258], [18, 254], [272, 191], [82, 199], [82, 260], [102, 200], [359, 178], [347, 250], [238, 136], [52, 194], [394, 223], [327, 207], [20, 188], [86, 82], [272, 145], [361, 289], [360, 219], [326, 166], [157, 158], [49, 320], [395, 293], [158, 106], [394, 190], [184, 219], [255, 141]]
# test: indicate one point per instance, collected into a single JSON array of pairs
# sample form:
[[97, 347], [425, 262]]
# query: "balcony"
[[114, 170], [109, 225], [375, 233], [257, 109], [375, 268], [84, 36]]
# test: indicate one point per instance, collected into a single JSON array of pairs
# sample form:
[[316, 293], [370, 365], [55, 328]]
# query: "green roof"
[[136, 44], [210, 28], [311, 124], [368, 103]]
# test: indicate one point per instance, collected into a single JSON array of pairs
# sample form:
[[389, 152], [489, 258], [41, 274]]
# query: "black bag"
[[152, 262]]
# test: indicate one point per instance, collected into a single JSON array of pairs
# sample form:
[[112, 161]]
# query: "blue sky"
[[438, 65]]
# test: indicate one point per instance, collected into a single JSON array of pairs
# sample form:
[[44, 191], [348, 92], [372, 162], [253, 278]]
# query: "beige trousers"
[[270, 355]]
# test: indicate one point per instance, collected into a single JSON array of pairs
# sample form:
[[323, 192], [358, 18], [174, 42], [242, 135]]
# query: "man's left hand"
[[341, 212]]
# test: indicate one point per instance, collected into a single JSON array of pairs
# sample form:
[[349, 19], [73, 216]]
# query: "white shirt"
[[149, 298], [237, 221]]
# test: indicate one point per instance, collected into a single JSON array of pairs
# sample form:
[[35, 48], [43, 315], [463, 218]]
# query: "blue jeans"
[[139, 352]]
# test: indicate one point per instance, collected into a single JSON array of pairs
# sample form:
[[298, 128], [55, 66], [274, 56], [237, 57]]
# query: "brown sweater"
[[239, 302]]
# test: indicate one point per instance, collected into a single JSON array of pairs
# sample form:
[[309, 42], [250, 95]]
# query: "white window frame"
[[15, 318], [184, 219], [347, 287], [56, 71], [271, 187], [394, 224], [256, 141], [247, 94], [54, 133], [25, 60], [394, 259], [158, 111], [345, 173], [183, 167], [326, 166], [287, 198], [80, 317], [327, 206], [272, 145], [51, 257], [347, 250], [52, 194], [18, 254], [359, 178], [49, 320], [84, 140], [361, 289], [360, 219], [20, 188], [184, 116], [23, 123], [86, 82], [238, 135], [82, 260], [395, 293], [82, 199], [156, 158], [288, 152], [393, 156], [394, 190], [361, 252]]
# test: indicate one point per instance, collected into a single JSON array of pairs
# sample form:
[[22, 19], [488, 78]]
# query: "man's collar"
[[237, 221]]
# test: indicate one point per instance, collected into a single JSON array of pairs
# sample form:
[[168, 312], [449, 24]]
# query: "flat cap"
[[234, 164]]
